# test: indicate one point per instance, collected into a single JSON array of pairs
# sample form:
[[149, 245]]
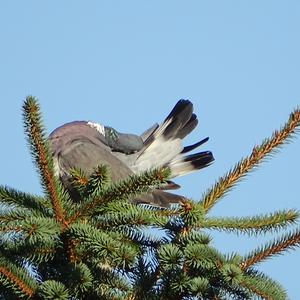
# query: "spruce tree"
[[104, 247]]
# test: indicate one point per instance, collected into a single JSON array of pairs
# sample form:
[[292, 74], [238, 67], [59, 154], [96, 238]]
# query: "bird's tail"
[[163, 145]]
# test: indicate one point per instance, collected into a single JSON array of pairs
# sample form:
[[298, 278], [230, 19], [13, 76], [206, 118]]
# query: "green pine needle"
[[51, 289], [263, 287], [252, 225], [276, 247], [245, 165], [16, 278], [35, 204], [41, 154], [105, 247], [126, 189]]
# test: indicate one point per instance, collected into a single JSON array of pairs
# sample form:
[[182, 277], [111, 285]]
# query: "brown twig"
[[276, 248], [22, 286], [247, 164], [256, 291], [42, 156], [158, 176]]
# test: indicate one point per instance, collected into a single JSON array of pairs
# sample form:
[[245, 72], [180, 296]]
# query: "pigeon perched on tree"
[[85, 145]]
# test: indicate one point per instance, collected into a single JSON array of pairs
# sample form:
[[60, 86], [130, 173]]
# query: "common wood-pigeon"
[[85, 145]]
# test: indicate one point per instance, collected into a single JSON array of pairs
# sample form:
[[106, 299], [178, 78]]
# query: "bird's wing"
[[148, 132], [85, 145], [163, 145], [159, 198], [77, 145], [86, 154]]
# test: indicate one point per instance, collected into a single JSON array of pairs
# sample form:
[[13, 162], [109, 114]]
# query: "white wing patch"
[[158, 154], [56, 166], [99, 127]]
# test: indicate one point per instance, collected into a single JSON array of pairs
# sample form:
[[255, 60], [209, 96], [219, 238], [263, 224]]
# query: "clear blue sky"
[[126, 63]]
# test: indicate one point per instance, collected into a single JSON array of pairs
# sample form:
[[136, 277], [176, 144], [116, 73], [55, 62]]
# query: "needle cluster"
[[105, 247]]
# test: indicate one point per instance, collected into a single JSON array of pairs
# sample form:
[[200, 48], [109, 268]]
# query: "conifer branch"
[[102, 246], [37, 251], [253, 288], [98, 180], [33, 203], [92, 185], [124, 190], [240, 170], [51, 289], [192, 214], [15, 278], [11, 221], [12, 216], [112, 287], [252, 225], [285, 243], [203, 256], [263, 286], [141, 238], [124, 213], [35, 227], [40, 151], [17, 282], [78, 178]]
